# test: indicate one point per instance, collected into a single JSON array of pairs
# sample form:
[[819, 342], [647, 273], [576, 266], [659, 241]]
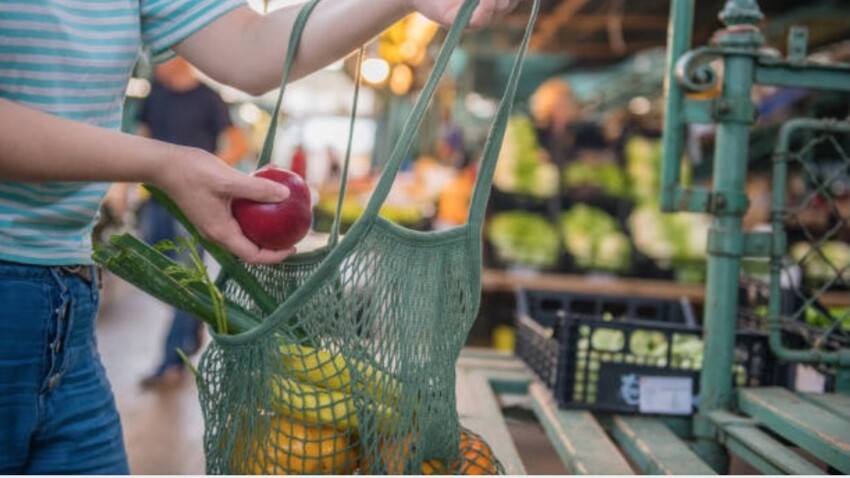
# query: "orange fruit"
[[476, 456], [338, 457], [394, 455], [434, 467], [297, 449]]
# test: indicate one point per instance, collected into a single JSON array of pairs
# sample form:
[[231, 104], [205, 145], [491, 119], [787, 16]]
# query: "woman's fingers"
[[256, 189], [243, 248]]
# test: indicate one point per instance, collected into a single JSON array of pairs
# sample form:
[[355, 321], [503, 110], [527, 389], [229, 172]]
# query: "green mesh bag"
[[342, 359]]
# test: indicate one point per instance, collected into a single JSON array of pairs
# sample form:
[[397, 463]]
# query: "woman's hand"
[[203, 187], [445, 11]]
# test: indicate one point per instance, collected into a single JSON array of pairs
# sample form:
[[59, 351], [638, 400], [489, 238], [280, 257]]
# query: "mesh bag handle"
[[495, 137], [330, 265], [490, 154], [343, 180], [269, 142], [414, 120], [291, 51]]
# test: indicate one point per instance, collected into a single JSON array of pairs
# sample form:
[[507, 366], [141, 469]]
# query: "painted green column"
[[735, 114], [678, 42]]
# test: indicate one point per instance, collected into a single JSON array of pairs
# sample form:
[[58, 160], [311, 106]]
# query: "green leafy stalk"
[[159, 260], [159, 276], [187, 362], [198, 274]]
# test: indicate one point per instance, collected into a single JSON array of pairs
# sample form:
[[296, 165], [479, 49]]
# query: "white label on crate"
[[667, 395]]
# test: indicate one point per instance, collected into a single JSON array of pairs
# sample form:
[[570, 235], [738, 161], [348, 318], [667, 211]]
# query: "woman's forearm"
[[246, 50], [39, 147], [36, 146]]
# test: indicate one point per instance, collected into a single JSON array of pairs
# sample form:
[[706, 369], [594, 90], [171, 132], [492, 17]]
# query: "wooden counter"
[[504, 281]]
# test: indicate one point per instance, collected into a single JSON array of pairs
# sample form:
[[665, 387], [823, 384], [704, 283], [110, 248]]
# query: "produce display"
[[523, 167], [817, 318], [606, 176], [594, 239], [643, 168], [670, 238], [648, 346], [524, 238], [827, 263], [409, 215], [280, 225]]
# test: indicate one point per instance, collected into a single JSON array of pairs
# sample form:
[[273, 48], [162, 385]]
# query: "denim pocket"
[[26, 305]]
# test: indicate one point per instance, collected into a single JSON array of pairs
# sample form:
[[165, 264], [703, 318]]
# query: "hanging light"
[[640, 105], [375, 71], [250, 113]]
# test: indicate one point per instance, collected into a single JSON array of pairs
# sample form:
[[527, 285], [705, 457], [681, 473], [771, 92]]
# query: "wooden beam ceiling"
[[598, 31], [604, 51], [549, 25], [595, 21]]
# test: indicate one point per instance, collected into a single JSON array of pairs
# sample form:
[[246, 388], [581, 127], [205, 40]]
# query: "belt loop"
[[88, 273]]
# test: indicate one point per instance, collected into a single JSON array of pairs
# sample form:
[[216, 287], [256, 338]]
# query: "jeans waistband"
[[87, 272]]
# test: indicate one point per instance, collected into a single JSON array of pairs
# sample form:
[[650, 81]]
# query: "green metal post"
[[726, 239], [678, 42]]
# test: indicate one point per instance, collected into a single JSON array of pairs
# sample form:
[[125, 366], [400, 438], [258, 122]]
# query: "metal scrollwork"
[[694, 71]]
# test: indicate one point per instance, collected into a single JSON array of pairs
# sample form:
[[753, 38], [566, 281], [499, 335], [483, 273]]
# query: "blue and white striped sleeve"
[[168, 22]]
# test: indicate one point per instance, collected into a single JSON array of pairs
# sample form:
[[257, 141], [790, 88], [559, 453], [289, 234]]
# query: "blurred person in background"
[[182, 110], [555, 112]]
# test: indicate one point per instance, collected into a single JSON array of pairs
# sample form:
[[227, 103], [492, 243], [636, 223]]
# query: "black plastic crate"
[[546, 306], [501, 201], [629, 365]]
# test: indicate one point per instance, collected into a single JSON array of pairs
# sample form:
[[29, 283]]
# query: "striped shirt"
[[73, 58]]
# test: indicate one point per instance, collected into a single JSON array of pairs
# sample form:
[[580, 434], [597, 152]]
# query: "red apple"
[[276, 226]]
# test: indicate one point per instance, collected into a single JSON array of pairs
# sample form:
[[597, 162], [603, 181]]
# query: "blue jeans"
[[57, 412], [156, 224]]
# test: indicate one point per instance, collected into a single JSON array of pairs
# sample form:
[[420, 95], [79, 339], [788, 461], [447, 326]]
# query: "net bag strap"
[[291, 51], [414, 120], [490, 155], [343, 180], [494, 140]]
